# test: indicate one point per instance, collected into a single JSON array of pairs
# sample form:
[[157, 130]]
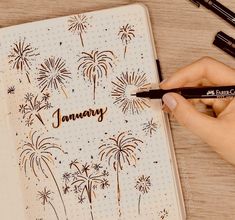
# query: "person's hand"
[[219, 131]]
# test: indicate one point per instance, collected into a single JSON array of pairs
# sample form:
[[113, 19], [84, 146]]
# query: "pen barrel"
[[225, 42], [207, 92], [221, 10]]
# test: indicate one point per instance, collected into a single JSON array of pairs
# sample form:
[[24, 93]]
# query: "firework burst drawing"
[[21, 56], [124, 86], [45, 197], [95, 65], [143, 185], [53, 75], [150, 127], [78, 24], [36, 154], [163, 214], [85, 181], [126, 33], [33, 106], [11, 90], [120, 151]]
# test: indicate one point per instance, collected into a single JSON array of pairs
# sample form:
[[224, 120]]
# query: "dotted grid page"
[[86, 148], [10, 184]]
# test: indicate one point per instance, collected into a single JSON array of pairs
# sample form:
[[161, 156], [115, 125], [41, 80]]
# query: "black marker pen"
[[191, 92], [218, 8], [225, 43]]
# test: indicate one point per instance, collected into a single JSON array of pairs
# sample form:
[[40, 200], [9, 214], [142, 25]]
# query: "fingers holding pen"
[[205, 71]]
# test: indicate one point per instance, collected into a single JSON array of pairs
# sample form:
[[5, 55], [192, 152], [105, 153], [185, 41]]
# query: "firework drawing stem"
[[118, 193], [57, 186], [81, 39], [63, 90], [139, 204], [39, 118], [125, 50], [27, 75], [52, 206]]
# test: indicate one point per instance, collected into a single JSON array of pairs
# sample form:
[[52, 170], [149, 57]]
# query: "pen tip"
[[133, 94]]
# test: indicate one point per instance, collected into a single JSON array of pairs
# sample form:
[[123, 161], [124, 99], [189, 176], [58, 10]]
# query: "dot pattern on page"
[[87, 148]]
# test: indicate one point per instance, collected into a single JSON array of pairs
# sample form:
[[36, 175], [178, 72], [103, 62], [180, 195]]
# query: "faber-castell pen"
[[191, 92], [217, 8]]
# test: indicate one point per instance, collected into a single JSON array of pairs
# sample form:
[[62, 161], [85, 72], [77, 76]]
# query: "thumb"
[[200, 124]]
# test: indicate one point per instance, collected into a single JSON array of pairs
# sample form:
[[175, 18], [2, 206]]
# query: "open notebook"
[[74, 143]]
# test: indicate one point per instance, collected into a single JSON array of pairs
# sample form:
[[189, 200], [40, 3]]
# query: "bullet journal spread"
[[75, 143]]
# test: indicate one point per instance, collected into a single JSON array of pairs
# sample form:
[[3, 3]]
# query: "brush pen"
[[191, 92], [217, 8]]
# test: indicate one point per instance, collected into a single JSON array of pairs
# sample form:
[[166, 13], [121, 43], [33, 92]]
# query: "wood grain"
[[183, 33]]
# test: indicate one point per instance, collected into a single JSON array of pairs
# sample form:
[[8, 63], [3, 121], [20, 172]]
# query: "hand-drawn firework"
[[21, 56], [45, 196], [126, 33], [124, 86], [37, 154], [96, 64], [150, 127], [85, 181], [78, 24], [163, 214], [66, 188], [143, 185], [11, 90], [32, 107], [53, 75], [119, 151]]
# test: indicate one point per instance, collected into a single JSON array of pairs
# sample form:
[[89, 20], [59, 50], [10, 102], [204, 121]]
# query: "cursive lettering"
[[59, 118]]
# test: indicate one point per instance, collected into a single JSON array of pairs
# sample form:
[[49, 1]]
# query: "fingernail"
[[163, 81], [169, 101]]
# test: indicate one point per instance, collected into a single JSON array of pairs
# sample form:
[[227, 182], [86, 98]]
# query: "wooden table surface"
[[183, 33]]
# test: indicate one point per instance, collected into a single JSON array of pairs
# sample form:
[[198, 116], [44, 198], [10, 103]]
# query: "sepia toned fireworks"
[[11, 90], [124, 86], [21, 56], [66, 188], [78, 24], [143, 185], [104, 183], [53, 74], [32, 107], [97, 166], [66, 177], [150, 127], [163, 214], [118, 151], [36, 154], [95, 65], [126, 33], [45, 196], [86, 179]]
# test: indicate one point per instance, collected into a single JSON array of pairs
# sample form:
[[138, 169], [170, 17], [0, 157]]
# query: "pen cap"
[[225, 42]]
